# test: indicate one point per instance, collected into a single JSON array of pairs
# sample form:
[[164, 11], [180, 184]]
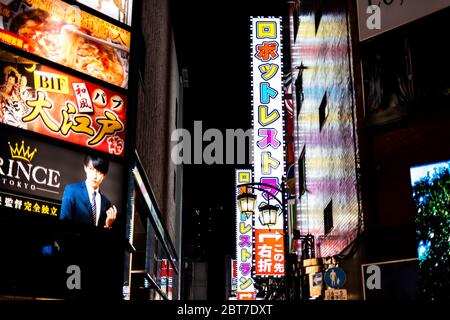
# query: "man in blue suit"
[[83, 201]]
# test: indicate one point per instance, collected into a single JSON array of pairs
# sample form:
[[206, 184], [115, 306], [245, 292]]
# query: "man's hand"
[[111, 214]]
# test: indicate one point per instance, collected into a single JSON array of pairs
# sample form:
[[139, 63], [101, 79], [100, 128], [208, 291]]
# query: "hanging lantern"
[[268, 215], [247, 203]]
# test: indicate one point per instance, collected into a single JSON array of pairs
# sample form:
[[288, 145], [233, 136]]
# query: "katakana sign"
[[268, 140], [244, 243]]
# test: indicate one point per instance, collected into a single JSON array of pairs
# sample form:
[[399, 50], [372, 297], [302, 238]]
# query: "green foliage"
[[432, 199]]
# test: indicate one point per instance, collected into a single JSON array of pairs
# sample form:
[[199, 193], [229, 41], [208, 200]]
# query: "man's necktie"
[[94, 208]]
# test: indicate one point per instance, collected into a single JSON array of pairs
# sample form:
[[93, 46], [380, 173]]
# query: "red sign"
[[269, 252], [38, 98], [166, 278], [246, 296]]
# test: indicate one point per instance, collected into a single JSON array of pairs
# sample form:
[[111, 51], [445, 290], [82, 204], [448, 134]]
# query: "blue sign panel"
[[335, 278], [317, 279]]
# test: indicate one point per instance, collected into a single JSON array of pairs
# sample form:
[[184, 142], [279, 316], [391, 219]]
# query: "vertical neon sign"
[[268, 142], [244, 244]]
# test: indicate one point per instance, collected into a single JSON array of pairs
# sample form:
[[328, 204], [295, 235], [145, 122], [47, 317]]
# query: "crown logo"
[[21, 153]]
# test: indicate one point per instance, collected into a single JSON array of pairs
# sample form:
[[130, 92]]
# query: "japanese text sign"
[[37, 98], [269, 252], [268, 135], [244, 243]]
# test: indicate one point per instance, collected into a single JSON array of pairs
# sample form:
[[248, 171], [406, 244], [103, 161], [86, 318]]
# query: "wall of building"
[[322, 46], [156, 114], [405, 127], [198, 290], [394, 152]]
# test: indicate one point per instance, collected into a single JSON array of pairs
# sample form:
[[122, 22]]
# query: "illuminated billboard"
[[69, 36], [268, 140], [37, 98], [118, 9], [244, 244], [34, 177], [430, 192]]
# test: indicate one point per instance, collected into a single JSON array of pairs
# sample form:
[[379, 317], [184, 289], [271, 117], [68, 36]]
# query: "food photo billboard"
[[69, 36]]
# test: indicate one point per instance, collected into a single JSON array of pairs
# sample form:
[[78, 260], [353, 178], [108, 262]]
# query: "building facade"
[[405, 90], [370, 111], [121, 105]]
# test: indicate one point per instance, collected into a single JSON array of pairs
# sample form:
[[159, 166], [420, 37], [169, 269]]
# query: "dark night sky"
[[213, 43]]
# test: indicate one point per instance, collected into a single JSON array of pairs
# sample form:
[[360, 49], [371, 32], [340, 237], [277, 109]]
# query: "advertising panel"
[[35, 175], [430, 193], [244, 244], [376, 17], [268, 142], [118, 9], [69, 36], [37, 98]]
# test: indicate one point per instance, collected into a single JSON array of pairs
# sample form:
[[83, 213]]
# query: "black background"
[[213, 43]]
